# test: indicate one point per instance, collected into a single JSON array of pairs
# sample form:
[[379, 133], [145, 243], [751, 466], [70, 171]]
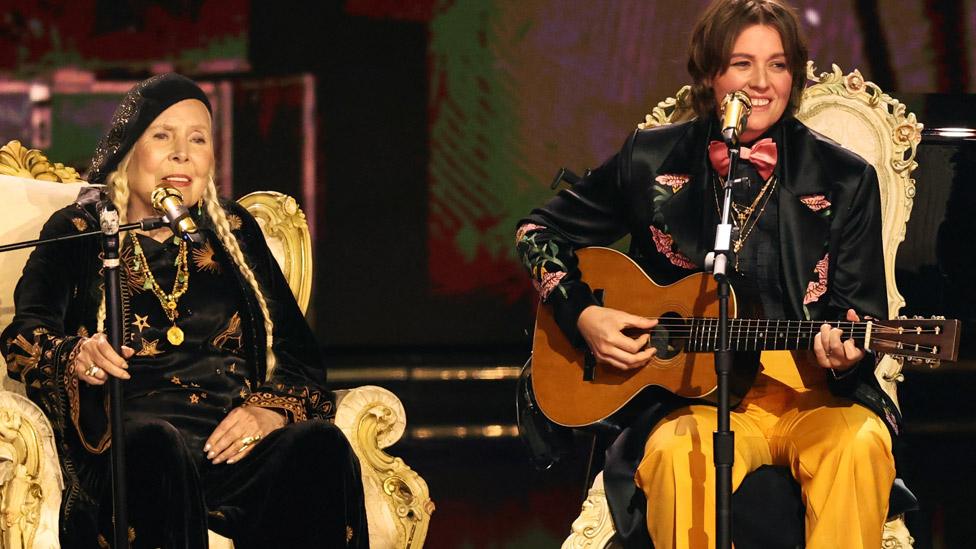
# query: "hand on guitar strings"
[[833, 353], [603, 330]]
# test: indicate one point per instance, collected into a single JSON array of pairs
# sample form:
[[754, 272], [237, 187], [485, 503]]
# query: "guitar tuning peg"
[[938, 317], [901, 317], [930, 362]]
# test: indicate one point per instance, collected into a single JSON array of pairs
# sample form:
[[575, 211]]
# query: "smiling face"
[[757, 66], [176, 150]]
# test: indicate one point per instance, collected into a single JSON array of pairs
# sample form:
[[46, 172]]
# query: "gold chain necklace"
[[744, 214], [168, 300]]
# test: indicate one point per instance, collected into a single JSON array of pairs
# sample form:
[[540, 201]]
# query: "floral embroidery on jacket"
[[673, 180], [663, 242], [541, 259], [548, 283], [815, 202], [816, 289], [892, 421], [524, 229]]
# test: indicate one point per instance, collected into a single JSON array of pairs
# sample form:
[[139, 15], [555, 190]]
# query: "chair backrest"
[[34, 188], [286, 231], [861, 117]]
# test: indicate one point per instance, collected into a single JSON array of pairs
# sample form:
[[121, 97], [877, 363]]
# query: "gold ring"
[[92, 370], [247, 441]]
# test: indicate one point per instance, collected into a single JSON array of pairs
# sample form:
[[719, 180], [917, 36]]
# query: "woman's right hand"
[[602, 328], [96, 360]]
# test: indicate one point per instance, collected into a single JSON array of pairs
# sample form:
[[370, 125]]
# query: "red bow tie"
[[762, 155]]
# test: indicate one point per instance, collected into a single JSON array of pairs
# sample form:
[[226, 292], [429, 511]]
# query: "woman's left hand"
[[241, 431], [833, 353]]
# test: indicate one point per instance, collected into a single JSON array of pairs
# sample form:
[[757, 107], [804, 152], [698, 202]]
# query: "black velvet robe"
[[179, 394], [658, 189]]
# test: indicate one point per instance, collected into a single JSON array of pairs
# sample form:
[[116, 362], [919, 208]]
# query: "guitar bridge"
[[589, 365]]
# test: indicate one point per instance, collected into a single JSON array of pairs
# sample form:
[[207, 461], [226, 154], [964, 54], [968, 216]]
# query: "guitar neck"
[[764, 335]]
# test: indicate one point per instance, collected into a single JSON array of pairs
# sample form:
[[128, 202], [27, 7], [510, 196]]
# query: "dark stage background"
[[416, 133]]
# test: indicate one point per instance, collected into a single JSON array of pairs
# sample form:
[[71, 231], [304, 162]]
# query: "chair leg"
[[30, 476], [593, 528], [896, 534]]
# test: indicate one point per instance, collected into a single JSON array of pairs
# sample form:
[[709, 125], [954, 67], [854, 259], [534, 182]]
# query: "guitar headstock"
[[919, 340]]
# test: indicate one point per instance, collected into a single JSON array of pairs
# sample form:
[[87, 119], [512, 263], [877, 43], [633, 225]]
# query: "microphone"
[[169, 202], [736, 108]]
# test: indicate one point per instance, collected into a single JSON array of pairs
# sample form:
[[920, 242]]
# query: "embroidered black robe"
[[178, 394]]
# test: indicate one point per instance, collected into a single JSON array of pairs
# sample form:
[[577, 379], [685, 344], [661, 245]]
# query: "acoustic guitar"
[[573, 390]]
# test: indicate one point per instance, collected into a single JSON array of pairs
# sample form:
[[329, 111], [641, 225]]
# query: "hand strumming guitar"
[[602, 328]]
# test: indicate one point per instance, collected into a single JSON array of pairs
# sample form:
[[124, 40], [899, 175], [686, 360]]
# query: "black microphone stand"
[[109, 221], [723, 439]]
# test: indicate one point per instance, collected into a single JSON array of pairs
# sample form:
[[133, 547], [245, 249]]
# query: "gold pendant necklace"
[[170, 300], [744, 214]]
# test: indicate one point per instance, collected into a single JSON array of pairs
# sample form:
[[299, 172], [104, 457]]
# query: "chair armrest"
[[30, 476], [398, 505]]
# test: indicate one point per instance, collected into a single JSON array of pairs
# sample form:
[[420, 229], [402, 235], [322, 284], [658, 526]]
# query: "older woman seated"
[[227, 418]]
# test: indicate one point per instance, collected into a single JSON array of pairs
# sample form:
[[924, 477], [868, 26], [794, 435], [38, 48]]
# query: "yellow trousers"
[[838, 451]]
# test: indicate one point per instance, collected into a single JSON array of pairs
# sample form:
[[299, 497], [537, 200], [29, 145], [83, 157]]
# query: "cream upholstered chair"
[[398, 504], [862, 118]]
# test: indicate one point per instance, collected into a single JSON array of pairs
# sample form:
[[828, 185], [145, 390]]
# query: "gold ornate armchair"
[[398, 505], [860, 116]]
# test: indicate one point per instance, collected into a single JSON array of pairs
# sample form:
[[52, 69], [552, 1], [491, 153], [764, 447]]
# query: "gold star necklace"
[[170, 300]]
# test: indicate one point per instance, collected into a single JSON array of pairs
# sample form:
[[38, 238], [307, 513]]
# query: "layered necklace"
[[169, 301], [747, 217]]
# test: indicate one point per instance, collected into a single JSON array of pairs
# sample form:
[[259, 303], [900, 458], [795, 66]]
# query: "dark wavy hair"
[[716, 32]]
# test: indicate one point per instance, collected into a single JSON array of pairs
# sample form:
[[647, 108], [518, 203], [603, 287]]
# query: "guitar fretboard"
[[760, 334]]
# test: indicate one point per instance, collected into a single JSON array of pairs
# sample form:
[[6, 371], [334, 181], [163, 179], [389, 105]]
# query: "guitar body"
[[559, 369], [575, 392]]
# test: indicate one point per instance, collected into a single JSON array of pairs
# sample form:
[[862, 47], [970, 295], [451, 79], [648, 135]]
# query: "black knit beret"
[[140, 106]]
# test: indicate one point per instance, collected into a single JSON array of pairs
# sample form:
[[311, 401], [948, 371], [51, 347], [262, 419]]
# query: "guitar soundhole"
[[669, 336]]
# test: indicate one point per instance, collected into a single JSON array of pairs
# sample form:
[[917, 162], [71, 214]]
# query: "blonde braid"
[[117, 187], [219, 218]]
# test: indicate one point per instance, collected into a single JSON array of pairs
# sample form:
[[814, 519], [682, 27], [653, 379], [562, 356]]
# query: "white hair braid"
[[229, 241]]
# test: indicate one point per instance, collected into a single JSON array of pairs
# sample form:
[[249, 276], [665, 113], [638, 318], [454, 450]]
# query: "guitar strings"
[[813, 325], [743, 330]]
